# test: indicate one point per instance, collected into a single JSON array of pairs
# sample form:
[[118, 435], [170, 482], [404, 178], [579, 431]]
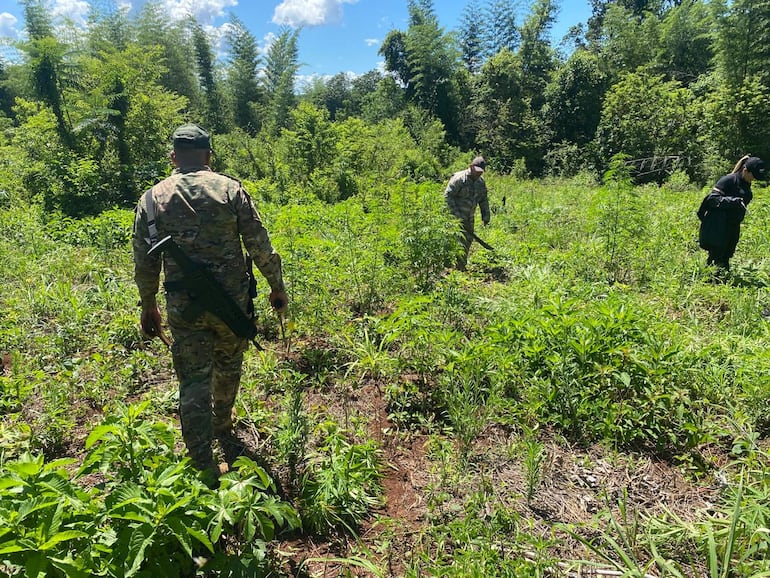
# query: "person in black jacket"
[[724, 208]]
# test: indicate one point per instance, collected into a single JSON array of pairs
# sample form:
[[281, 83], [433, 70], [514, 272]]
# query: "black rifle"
[[207, 294]]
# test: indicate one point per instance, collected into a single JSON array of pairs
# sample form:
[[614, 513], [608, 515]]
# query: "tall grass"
[[594, 323]]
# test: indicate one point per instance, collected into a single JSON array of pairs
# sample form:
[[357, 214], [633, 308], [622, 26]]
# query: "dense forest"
[[586, 399], [86, 114]]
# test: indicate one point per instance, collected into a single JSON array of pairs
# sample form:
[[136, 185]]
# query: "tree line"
[[86, 114]]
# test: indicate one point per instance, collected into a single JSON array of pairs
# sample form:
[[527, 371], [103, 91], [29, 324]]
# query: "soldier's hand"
[[279, 301], [151, 321]]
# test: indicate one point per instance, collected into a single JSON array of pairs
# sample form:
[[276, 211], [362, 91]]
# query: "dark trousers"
[[720, 256], [718, 259]]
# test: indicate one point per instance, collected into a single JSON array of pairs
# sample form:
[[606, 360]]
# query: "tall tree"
[[386, 101], [425, 55], [394, 51], [538, 58], [333, 94], [360, 87], [109, 27], [574, 99], [685, 49], [741, 89], [471, 37], [46, 56], [311, 140], [628, 42], [433, 60], [246, 93], [743, 39], [644, 115], [421, 12], [638, 9], [425, 61], [280, 72], [502, 30], [118, 104], [37, 20], [6, 92], [215, 113], [155, 29], [124, 118], [503, 125]]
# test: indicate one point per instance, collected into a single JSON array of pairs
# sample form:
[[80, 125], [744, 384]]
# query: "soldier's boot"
[[211, 473], [209, 469]]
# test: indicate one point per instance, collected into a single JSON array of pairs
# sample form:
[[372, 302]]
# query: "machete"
[[482, 242]]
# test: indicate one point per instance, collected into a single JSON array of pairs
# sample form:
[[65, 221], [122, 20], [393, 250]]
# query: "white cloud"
[[371, 41], [204, 11], [267, 42], [59, 11], [303, 82], [74, 10], [8, 25], [298, 13]]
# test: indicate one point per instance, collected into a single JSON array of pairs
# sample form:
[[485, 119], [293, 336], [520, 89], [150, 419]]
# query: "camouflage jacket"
[[207, 214], [462, 194]]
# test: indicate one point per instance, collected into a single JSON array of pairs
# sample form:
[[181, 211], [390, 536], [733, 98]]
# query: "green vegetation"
[[552, 357], [583, 396]]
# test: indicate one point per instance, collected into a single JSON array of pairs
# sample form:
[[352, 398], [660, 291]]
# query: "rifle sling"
[[196, 278], [151, 227]]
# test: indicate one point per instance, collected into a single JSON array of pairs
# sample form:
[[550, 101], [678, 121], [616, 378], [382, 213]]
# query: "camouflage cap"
[[191, 136], [479, 163]]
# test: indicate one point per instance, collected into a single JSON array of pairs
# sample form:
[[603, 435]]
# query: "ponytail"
[[739, 165]]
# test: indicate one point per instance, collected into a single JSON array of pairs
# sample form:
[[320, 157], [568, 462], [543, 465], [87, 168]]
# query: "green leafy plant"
[[47, 523], [429, 237], [534, 456], [371, 358], [293, 429], [622, 221], [595, 372], [149, 515], [341, 483], [128, 445], [465, 393], [246, 508]]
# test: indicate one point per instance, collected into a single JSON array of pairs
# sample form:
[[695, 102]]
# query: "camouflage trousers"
[[208, 358], [466, 239]]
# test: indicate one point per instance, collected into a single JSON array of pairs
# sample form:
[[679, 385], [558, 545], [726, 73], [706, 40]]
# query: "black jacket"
[[721, 213]]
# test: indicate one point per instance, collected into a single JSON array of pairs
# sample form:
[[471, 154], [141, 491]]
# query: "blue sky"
[[337, 35]]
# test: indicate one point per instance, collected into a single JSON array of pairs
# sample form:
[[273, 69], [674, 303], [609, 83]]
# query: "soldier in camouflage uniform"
[[208, 215], [465, 190]]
